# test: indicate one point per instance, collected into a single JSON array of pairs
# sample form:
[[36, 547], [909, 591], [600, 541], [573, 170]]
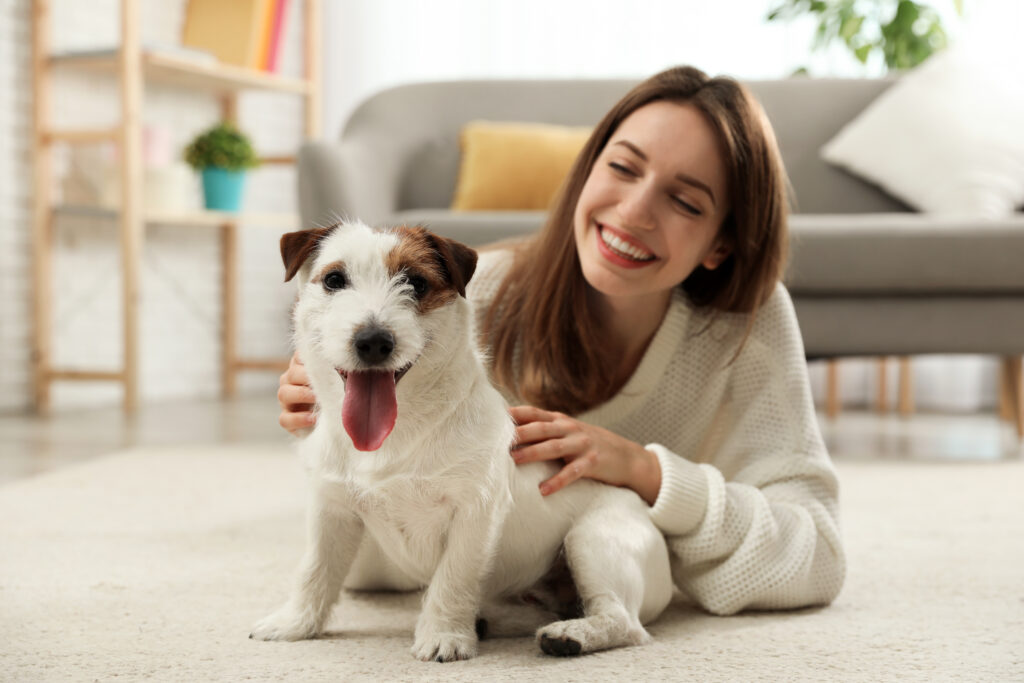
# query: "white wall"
[[370, 46], [15, 240]]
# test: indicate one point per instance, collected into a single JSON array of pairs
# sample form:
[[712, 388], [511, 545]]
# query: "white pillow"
[[948, 137]]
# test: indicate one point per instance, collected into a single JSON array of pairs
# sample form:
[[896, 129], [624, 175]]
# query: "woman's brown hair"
[[546, 340]]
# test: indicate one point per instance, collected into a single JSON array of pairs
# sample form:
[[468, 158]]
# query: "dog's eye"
[[335, 280], [419, 285]]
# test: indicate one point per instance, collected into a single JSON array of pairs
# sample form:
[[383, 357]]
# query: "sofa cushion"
[[894, 254], [514, 166], [946, 138]]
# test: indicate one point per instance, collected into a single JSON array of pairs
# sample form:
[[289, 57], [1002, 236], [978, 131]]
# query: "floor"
[[31, 445]]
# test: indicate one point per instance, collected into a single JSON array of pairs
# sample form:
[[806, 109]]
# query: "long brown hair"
[[542, 329]]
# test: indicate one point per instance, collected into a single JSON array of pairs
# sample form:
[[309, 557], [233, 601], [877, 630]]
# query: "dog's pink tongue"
[[370, 408]]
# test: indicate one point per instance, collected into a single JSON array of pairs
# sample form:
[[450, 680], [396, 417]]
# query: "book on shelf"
[[244, 33], [280, 11], [230, 29]]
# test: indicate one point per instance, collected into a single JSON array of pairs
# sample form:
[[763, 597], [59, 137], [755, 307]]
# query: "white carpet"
[[153, 564]]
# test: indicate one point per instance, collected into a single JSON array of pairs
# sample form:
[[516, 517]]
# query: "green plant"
[[223, 146], [905, 32]]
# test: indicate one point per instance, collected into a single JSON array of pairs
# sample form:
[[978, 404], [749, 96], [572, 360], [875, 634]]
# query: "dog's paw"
[[579, 636], [560, 646], [285, 624], [432, 646]]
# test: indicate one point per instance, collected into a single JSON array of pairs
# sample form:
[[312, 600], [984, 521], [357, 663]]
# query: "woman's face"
[[650, 210]]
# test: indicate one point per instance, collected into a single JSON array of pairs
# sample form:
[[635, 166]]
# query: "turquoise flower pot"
[[222, 189]]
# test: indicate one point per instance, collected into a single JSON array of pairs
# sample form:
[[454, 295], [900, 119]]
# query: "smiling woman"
[[680, 186]]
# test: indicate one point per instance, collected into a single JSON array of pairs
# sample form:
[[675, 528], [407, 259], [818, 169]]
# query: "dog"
[[411, 475]]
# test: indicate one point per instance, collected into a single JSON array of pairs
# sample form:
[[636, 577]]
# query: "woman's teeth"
[[622, 248]]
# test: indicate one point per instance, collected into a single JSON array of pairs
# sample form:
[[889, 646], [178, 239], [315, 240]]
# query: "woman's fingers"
[[576, 469], [296, 421], [296, 372], [569, 446], [525, 414], [532, 432], [295, 396]]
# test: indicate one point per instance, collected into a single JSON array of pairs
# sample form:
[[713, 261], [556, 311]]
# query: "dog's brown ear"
[[458, 260], [296, 247]]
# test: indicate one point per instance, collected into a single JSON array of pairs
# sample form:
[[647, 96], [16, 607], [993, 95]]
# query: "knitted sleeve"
[[757, 526]]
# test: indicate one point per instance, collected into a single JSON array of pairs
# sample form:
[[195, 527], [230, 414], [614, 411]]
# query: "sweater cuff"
[[683, 496]]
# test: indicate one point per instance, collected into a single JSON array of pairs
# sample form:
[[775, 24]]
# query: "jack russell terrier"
[[410, 467]]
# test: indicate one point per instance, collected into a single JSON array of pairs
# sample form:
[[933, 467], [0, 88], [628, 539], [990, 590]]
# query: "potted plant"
[[222, 154]]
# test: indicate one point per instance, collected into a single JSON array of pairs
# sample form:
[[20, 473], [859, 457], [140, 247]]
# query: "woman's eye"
[[619, 168], [418, 284], [686, 206], [334, 281]]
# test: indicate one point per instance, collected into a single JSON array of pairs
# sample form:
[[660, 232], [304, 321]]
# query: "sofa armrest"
[[346, 180]]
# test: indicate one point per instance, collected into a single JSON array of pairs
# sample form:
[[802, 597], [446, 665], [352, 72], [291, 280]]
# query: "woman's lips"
[[622, 259]]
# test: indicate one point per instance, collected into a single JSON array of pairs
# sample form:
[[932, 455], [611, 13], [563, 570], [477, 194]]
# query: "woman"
[[643, 337]]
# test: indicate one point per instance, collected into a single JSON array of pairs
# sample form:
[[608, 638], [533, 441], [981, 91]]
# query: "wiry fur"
[[441, 504]]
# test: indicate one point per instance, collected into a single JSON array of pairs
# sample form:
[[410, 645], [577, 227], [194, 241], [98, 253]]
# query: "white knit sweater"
[[748, 499]]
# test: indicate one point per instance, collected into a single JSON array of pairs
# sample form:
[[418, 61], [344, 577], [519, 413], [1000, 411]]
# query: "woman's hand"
[[296, 398], [588, 451]]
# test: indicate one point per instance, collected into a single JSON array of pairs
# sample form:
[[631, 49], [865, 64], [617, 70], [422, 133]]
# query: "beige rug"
[[153, 564]]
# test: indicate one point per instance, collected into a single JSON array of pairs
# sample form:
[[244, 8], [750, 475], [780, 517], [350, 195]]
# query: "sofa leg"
[[1005, 411], [1012, 393], [832, 389], [906, 387], [882, 393]]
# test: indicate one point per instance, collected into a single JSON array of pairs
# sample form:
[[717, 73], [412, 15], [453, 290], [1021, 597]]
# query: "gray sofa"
[[868, 276]]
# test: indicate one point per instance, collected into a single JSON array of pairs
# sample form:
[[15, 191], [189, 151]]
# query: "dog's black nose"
[[374, 345]]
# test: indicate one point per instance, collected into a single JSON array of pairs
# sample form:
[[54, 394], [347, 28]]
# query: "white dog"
[[410, 467]]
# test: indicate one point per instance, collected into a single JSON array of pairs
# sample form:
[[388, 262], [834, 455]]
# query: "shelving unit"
[[134, 68]]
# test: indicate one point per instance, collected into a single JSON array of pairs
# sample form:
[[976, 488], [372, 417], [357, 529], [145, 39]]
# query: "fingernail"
[[545, 489], [310, 419]]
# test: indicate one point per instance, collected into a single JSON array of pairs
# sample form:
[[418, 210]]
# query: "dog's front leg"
[[446, 629], [334, 537]]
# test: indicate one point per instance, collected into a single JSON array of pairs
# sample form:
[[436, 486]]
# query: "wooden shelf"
[[186, 72], [134, 66], [197, 218]]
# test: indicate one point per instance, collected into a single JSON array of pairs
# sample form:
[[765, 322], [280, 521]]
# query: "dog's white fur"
[[441, 503]]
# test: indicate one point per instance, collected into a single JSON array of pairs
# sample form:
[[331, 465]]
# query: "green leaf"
[[862, 52], [850, 27]]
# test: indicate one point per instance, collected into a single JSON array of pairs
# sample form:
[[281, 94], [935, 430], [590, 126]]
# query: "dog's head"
[[370, 302]]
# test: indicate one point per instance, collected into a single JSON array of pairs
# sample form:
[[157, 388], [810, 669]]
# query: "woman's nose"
[[636, 207]]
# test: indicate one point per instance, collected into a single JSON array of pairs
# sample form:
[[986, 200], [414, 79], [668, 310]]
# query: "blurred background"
[[363, 47]]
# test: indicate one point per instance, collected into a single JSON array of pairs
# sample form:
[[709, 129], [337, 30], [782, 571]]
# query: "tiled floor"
[[31, 445]]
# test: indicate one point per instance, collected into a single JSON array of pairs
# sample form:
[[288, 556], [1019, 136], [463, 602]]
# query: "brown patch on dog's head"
[[445, 265], [318, 277], [296, 247]]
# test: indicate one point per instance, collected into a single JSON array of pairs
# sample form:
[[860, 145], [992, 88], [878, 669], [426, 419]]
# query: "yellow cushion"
[[514, 166]]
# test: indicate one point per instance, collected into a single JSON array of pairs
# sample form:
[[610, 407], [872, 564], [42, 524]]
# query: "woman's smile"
[[621, 249]]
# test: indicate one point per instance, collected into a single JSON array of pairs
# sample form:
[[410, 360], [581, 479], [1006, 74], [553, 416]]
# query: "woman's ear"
[[714, 258]]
